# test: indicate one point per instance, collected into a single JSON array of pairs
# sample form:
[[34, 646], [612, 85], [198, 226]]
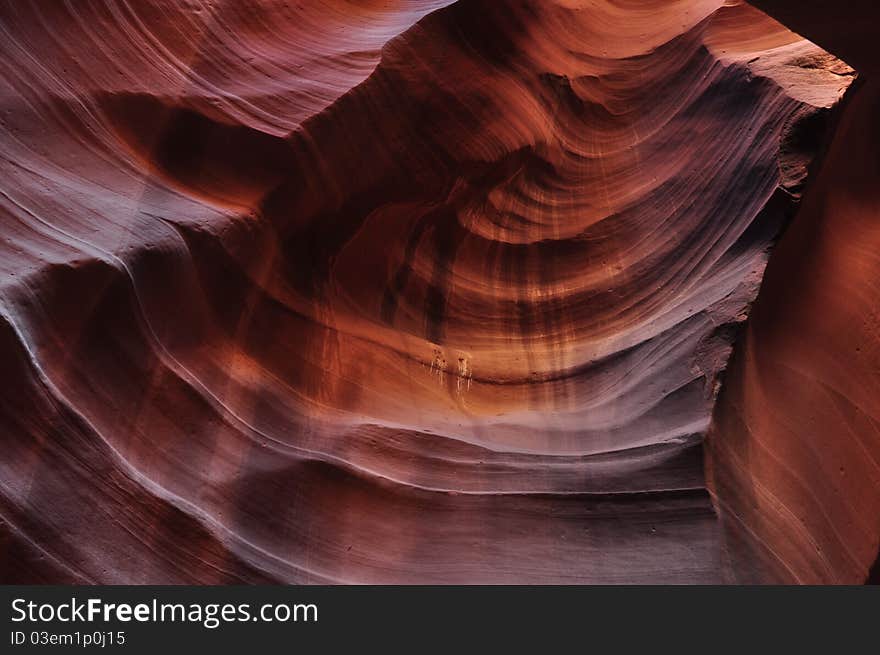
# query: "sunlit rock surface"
[[384, 291]]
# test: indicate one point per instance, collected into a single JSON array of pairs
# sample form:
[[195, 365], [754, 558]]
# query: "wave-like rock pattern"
[[794, 449], [382, 292]]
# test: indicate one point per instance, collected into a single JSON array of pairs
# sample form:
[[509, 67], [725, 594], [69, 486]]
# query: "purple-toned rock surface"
[[414, 291]]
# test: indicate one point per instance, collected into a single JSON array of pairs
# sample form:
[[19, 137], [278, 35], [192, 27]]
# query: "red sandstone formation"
[[794, 454], [418, 291]]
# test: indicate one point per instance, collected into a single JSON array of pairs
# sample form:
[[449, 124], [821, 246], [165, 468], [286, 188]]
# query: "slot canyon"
[[440, 292]]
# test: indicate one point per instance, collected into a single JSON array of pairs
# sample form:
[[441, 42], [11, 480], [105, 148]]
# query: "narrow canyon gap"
[[794, 450]]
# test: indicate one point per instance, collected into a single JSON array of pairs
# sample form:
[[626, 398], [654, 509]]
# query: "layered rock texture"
[[794, 451], [426, 291]]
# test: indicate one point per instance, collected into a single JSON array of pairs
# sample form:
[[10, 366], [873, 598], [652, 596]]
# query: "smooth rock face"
[[390, 292], [794, 450]]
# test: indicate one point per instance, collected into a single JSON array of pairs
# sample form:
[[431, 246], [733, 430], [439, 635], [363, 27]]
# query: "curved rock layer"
[[382, 292], [794, 450]]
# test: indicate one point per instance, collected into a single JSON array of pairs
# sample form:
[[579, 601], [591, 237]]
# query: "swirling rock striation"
[[382, 292], [794, 448]]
